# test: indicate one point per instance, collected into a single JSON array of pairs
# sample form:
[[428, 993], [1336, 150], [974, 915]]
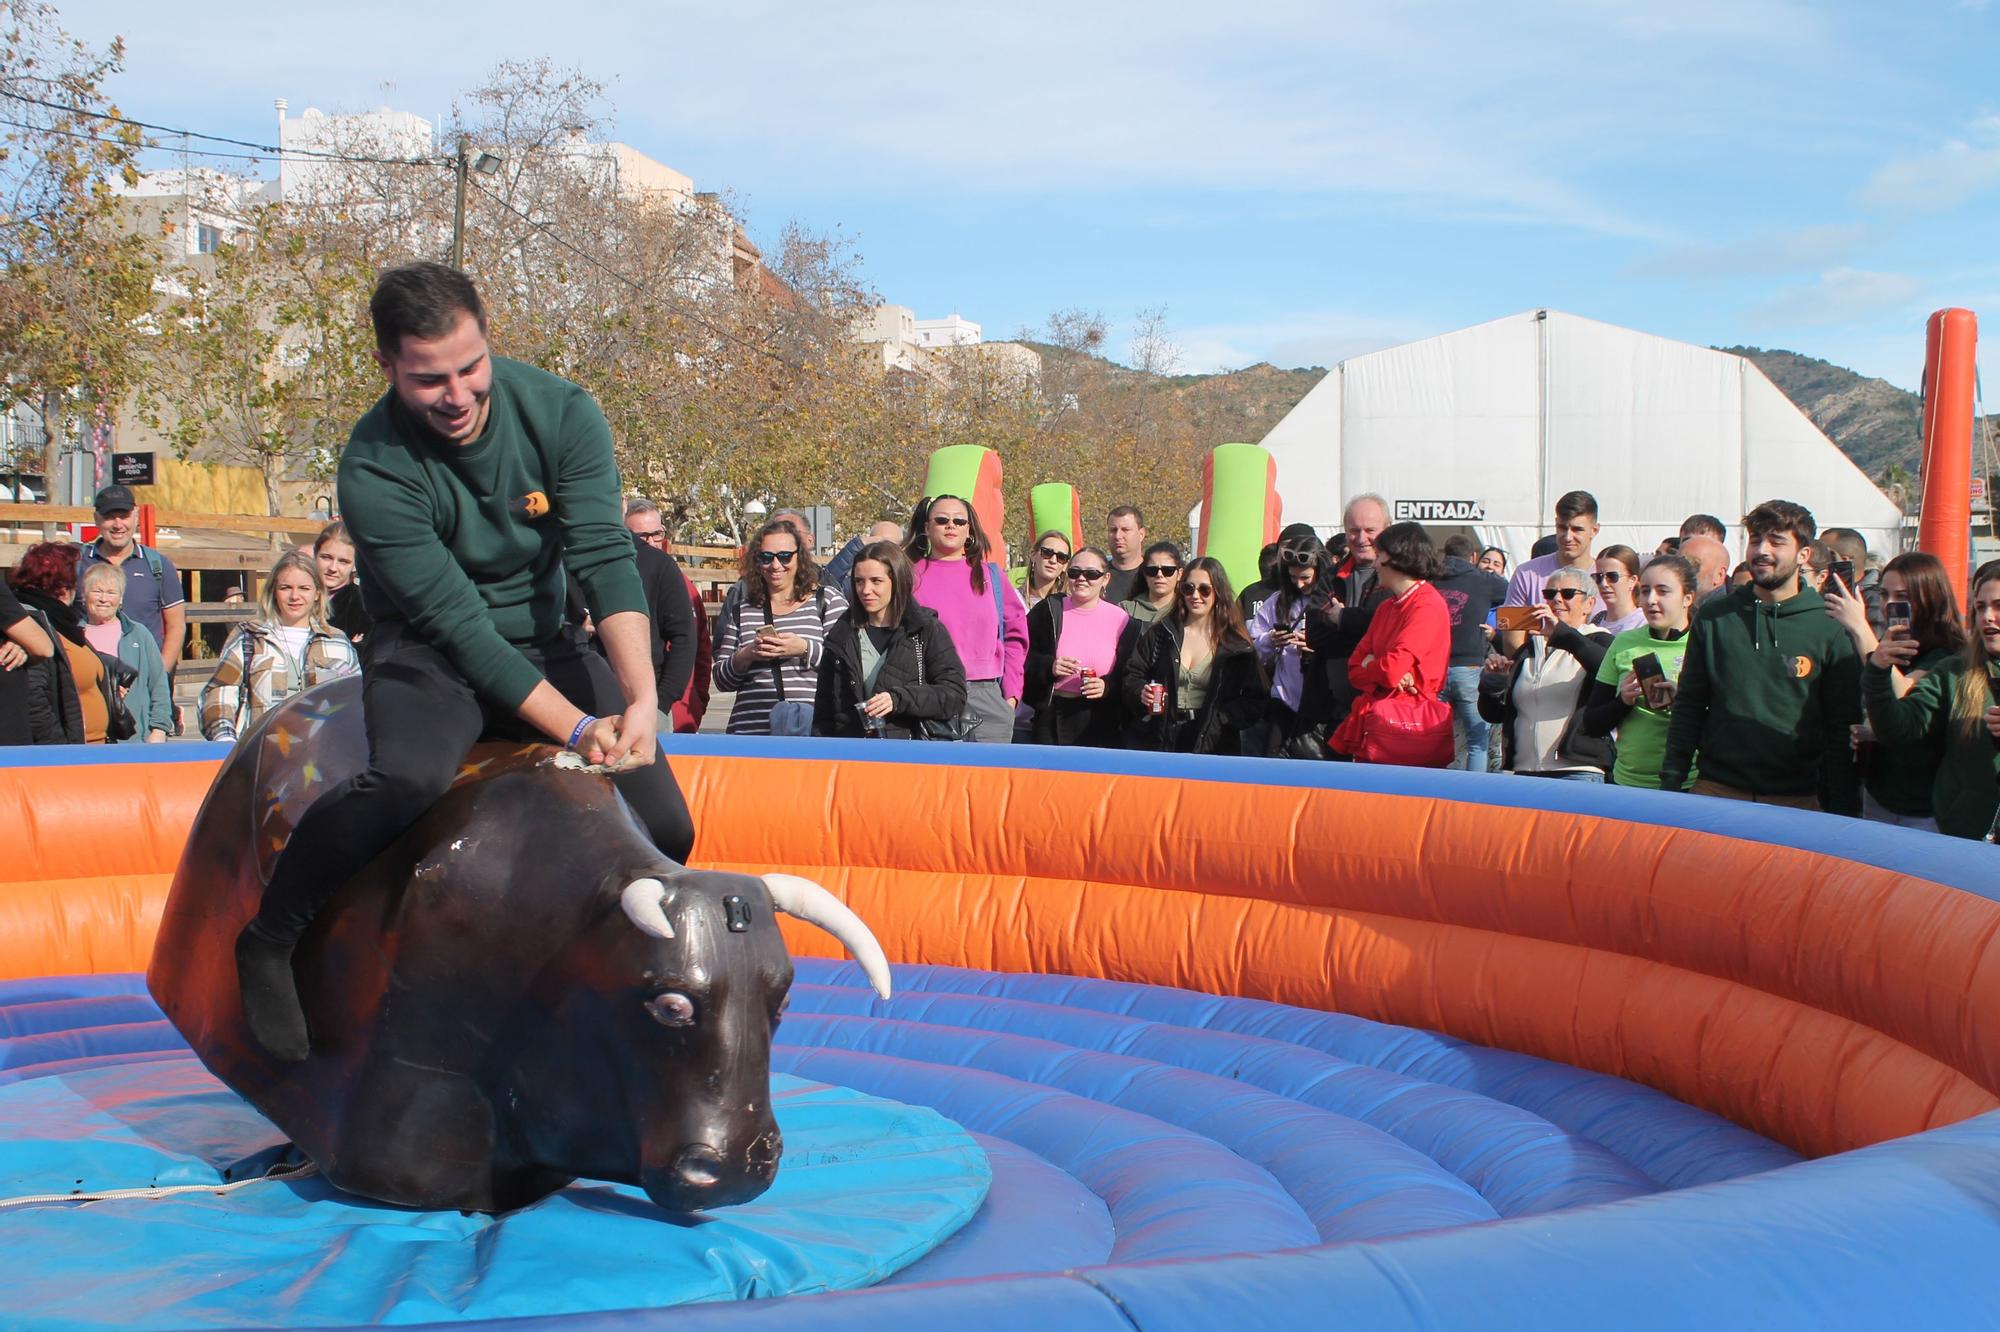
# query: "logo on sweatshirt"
[[531, 506], [1802, 666]]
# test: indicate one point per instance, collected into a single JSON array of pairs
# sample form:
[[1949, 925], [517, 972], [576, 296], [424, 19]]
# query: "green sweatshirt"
[[1767, 693], [1901, 775], [1967, 786], [441, 541]]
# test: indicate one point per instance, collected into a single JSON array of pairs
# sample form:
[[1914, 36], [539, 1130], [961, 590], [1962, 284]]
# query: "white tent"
[[1485, 427]]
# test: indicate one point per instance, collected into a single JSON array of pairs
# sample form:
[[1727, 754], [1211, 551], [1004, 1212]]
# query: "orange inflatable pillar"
[[1950, 343], [149, 525]]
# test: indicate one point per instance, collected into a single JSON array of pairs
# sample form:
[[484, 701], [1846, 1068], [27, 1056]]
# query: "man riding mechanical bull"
[[511, 976], [468, 488]]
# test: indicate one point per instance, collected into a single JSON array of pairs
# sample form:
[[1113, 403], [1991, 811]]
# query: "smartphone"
[[1897, 613], [768, 631], [1653, 683], [1516, 619], [1844, 571]]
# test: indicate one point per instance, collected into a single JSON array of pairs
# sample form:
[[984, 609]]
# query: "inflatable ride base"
[[210, 1237]]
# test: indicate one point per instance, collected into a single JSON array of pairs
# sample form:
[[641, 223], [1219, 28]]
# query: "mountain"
[[1875, 423]]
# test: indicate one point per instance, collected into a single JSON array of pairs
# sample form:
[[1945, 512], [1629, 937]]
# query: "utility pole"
[[459, 167]]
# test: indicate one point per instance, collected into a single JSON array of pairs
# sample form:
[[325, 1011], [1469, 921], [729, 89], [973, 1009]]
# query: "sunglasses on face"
[[652, 536], [1085, 575], [775, 556], [1194, 590], [1162, 570], [949, 520], [1602, 578], [1059, 556], [1561, 593]]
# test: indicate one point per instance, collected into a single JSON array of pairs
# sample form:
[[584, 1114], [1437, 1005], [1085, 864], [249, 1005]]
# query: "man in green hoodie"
[[1770, 685], [469, 489]]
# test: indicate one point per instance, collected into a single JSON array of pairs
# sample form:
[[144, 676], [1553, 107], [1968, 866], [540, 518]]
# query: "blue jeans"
[[1582, 775], [1461, 690]]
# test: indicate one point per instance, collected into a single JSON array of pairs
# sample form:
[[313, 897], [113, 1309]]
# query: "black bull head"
[[519, 991]]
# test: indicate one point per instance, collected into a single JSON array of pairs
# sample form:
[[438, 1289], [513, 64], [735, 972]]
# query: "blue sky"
[[1293, 182]]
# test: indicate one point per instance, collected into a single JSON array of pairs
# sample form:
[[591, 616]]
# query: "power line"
[[264, 149]]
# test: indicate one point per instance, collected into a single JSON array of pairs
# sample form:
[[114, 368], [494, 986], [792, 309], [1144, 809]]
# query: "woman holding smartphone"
[[769, 647], [1924, 627], [1633, 691], [1951, 715]]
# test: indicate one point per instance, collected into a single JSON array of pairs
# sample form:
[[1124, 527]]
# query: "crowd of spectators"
[[1804, 676]]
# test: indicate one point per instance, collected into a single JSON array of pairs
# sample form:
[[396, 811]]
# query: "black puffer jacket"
[[1236, 693], [918, 649], [1068, 719], [55, 710]]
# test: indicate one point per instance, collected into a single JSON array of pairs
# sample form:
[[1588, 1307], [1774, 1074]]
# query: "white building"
[[1484, 427], [309, 142], [200, 207], [950, 331]]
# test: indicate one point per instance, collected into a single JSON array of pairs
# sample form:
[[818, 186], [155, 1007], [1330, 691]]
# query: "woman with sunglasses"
[[1639, 711], [1616, 577], [1192, 685], [769, 646], [954, 575], [1046, 563], [1159, 579], [890, 668], [1076, 647], [1540, 700]]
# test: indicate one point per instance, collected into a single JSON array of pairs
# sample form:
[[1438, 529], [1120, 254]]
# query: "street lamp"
[[486, 164]]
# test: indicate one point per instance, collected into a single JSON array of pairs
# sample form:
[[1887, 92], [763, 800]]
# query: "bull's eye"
[[671, 1009]]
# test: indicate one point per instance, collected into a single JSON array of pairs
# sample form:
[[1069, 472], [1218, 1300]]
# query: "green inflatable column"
[[1240, 509]]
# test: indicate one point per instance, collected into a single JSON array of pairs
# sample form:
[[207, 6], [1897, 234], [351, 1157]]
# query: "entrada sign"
[[1440, 511]]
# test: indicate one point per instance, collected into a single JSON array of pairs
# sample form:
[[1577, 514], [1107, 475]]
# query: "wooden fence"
[[208, 568]]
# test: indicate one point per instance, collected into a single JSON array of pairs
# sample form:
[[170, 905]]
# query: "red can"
[[1156, 698]]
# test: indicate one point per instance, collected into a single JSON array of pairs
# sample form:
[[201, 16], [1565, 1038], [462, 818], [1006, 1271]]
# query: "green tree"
[[76, 281], [264, 355]]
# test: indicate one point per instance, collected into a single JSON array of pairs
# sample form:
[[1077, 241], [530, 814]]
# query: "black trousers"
[[422, 718]]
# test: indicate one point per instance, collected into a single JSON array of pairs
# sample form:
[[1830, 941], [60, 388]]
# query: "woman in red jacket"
[[1399, 665]]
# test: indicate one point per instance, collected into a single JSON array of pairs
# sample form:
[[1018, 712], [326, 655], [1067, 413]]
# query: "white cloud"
[[1456, 109], [1840, 296], [1943, 178], [1765, 254]]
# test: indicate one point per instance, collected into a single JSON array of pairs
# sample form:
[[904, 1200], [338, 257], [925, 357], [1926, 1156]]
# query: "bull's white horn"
[[644, 901], [807, 901]]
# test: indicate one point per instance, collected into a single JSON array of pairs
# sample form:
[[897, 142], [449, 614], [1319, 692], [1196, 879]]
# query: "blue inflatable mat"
[[865, 1187]]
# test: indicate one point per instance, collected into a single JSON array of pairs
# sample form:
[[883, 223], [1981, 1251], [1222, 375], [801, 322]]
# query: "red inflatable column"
[[1950, 343]]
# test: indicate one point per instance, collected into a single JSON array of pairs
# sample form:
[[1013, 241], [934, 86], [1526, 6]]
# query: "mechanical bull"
[[520, 991]]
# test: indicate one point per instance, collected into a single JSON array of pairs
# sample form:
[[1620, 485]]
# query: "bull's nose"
[[698, 1167]]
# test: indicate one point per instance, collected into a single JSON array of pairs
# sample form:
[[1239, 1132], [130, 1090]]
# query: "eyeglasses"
[[949, 520], [775, 556], [1162, 570], [1086, 575], [1059, 556], [1563, 593], [1300, 559], [1612, 577], [656, 536], [1193, 590]]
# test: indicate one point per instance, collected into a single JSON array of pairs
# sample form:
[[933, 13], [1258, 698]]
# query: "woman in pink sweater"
[[1406, 651], [978, 607]]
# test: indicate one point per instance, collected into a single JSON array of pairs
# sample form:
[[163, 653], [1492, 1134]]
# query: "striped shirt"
[[756, 689]]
